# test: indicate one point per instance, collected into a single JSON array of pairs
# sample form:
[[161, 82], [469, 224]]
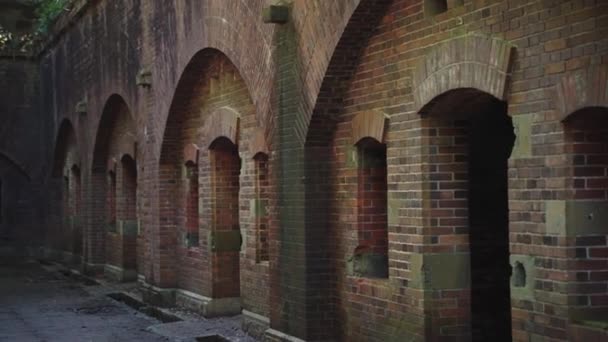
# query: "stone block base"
[[71, 260], [255, 325], [156, 295], [118, 274], [93, 270], [272, 335], [208, 307]]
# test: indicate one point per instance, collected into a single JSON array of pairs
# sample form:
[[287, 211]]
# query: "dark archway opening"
[[113, 198], [61, 208], [490, 145], [471, 138], [76, 211], [128, 215], [371, 255], [225, 169]]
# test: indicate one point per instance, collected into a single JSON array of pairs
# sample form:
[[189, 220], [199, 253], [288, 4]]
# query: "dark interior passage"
[[129, 215], [471, 138], [490, 143]]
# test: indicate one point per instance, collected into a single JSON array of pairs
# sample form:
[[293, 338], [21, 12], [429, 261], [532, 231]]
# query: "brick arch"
[[318, 59], [208, 102], [216, 31], [251, 64], [580, 89], [327, 108], [116, 115], [115, 138], [223, 122], [191, 153], [193, 76], [470, 61], [128, 155], [258, 143], [370, 124]]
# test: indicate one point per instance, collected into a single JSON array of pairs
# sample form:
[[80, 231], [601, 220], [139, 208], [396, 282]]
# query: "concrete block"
[[440, 271], [572, 218], [523, 136], [225, 241], [586, 217], [208, 307], [352, 157]]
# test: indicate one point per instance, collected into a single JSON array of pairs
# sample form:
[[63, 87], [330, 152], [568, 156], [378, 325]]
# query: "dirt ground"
[[43, 302]]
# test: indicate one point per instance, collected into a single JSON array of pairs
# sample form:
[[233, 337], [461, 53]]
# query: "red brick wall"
[[262, 194], [209, 83], [586, 143], [401, 38], [311, 179]]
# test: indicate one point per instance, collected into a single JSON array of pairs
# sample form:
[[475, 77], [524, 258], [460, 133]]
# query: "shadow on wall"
[[16, 204]]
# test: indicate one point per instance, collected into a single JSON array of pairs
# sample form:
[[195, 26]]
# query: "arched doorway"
[[469, 141], [200, 234], [65, 236], [114, 219]]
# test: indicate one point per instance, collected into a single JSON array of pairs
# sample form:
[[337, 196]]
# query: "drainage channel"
[[151, 311], [212, 338], [161, 315], [80, 278]]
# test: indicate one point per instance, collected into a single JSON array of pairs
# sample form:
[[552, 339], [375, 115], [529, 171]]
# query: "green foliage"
[[47, 11]]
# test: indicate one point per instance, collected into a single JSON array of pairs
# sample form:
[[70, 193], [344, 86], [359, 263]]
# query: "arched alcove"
[[114, 219], [469, 137]]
